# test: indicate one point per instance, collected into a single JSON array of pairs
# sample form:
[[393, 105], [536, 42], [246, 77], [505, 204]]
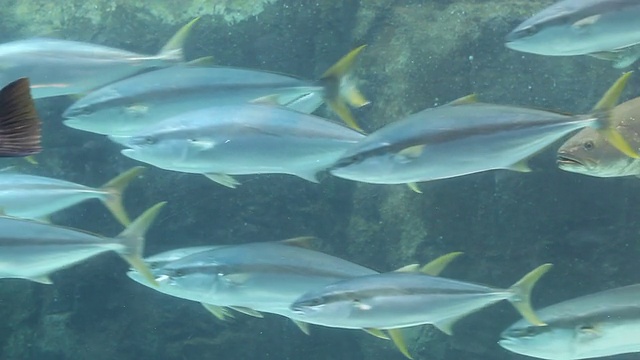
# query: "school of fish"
[[226, 122]]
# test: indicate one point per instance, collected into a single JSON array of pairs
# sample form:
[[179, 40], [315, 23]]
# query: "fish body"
[[455, 140], [130, 105], [400, 299], [20, 125], [63, 67], [602, 28], [242, 139], [265, 277], [33, 250], [165, 257], [37, 197], [590, 153], [603, 324]]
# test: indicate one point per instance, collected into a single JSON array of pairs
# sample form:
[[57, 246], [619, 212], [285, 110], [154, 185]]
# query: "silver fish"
[[589, 153], [265, 277], [131, 105], [37, 197], [33, 250], [161, 259], [466, 137], [260, 277], [403, 299], [62, 67], [607, 29], [242, 139], [20, 125], [606, 323]]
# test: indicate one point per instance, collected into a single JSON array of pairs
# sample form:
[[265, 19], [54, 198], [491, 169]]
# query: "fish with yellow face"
[[590, 153]]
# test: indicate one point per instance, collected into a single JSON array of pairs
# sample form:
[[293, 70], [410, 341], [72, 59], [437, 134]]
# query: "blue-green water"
[[419, 54]]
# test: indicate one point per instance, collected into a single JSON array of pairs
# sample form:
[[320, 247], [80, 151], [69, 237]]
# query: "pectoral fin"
[[223, 179], [247, 311], [377, 333], [303, 326], [219, 312], [588, 21], [398, 340]]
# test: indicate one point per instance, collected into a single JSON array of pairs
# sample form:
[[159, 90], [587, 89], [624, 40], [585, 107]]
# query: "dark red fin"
[[19, 121]]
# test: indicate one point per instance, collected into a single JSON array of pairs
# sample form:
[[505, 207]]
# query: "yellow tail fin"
[[114, 188], [173, 49], [340, 91], [603, 110], [133, 240], [521, 290]]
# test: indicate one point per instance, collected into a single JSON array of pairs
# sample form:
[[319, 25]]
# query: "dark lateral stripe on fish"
[[170, 93], [223, 270], [397, 291], [22, 243], [19, 121]]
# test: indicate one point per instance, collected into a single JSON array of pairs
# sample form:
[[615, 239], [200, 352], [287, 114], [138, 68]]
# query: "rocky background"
[[420, 54]]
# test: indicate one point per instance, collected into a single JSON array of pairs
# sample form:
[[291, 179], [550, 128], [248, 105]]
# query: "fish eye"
[[317, 301], [83, 110], [586, 327], [531, 30], [588, 145], [149, 140]]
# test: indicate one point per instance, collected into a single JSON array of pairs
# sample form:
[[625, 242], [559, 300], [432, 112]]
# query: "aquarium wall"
[[419, 54]]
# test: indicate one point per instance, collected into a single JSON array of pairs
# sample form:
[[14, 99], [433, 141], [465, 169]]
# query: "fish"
[[404, 299], [131, 105], [602, 324], [605, 29], [264, 276], [256, 278], [20, 125], [63, 67], [466, 137], [34, 250], [37, 197], [222, 141], [589, 153], [249, 278], [161, 259]]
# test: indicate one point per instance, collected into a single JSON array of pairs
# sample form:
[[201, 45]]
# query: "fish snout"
[[566, 160]]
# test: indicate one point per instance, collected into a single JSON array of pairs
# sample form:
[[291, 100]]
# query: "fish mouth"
[[568, 161]]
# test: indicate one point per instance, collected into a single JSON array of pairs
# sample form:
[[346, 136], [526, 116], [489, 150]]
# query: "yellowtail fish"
[[590, 153], [606, 29], [603, 324], [467, 137], [63, 67], [33, 250], [223, 141], [129, 106], [37, 197], [403, 299]]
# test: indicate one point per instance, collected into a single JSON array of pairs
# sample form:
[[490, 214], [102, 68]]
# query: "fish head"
[[183, 278], [589, 153], [106, 112], [561, 29], [572, 337], [372, 163], [174, 148], [330, 305], [544, 342]]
